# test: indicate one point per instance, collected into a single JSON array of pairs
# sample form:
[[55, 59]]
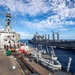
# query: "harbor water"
[[62, 54]]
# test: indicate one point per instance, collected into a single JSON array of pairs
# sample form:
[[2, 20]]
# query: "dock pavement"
[[9, 65]]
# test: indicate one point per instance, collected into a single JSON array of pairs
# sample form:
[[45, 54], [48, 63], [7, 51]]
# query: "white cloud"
[[25, 35], [35, 7], [32, 8], [0, 28], [52, 22], [69, 22], [62, 29]]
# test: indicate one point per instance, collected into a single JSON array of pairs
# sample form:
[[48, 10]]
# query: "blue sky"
[[43, 16]]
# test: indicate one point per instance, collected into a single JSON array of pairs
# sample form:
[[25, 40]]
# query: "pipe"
[[69, 63]]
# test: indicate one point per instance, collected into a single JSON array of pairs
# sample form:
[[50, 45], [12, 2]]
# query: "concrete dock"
[[7, 64]]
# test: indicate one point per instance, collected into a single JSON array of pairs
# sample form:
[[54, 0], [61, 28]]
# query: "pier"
[[60, 72], [8, 65], [7, 62]]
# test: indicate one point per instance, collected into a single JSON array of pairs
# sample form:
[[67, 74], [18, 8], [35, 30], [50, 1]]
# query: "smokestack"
[[48, 37], [57, 36], [45, 36], [53, 35]]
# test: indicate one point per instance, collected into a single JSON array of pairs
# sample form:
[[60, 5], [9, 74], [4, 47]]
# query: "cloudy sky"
[[43, 16]]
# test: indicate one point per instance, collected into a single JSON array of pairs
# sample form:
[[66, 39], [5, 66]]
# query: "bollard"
[[13, 67]]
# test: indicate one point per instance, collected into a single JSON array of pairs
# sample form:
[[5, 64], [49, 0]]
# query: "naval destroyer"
[[7, 35]]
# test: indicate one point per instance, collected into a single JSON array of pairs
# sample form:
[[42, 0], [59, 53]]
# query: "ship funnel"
[[48, 37], [53, 35], [45, 36]]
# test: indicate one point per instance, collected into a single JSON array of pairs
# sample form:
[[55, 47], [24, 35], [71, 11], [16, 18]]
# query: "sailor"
[[4, 46], [18, 45], [10, 46], [7, 47], [14, 46]]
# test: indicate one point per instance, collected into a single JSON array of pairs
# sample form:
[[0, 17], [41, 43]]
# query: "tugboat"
[[51, 64], [7, 35]]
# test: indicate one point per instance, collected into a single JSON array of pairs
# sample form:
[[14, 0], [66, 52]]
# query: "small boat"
[[51, 64]]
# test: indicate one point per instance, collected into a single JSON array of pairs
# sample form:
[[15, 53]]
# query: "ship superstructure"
[[38, 37], [7, 35]]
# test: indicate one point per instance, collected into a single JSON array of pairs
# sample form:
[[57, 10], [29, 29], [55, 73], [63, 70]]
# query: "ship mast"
[[7, 26]]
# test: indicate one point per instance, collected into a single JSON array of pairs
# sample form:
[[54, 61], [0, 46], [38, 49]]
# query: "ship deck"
[[6, 64]]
